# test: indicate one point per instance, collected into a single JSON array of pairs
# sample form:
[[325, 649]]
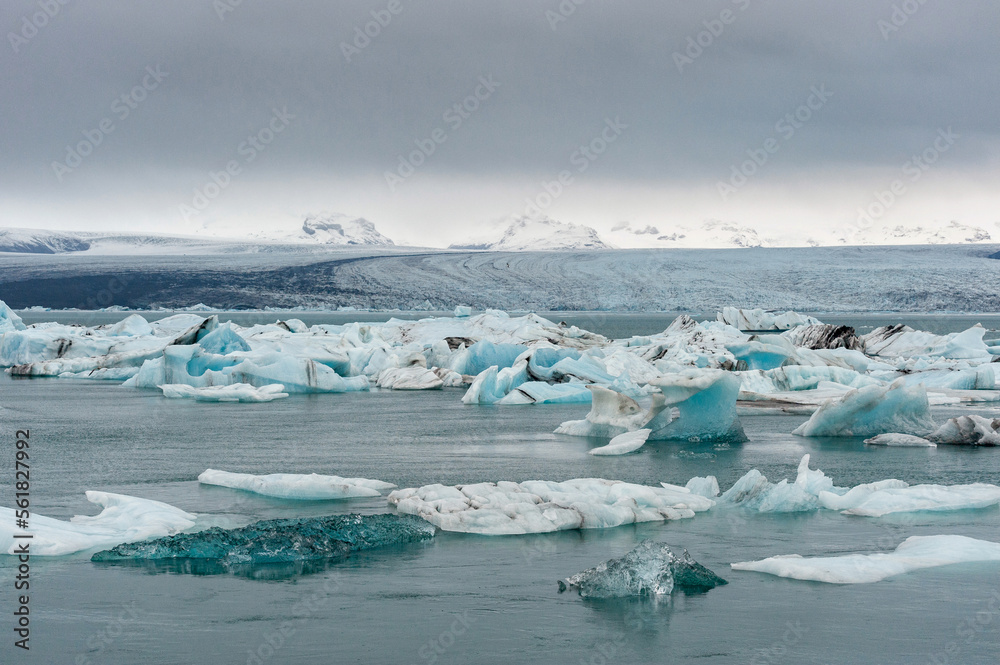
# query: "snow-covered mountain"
[[710, 234], [332, 229], [539, 234], [37, 241], [953, 233]]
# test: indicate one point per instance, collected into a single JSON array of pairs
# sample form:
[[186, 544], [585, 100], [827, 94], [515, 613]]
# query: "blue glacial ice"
[[873, 410], [650, 569], [278, 541], [302, 486], [914, 553], [9, 320]]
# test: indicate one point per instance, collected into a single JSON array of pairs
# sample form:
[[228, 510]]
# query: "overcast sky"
[[673, 95]]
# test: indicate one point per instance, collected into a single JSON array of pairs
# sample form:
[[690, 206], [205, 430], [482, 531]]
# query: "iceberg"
[[462, 311], [754, 492], [871, 411], [409, 378], [903, 341], [236, 392], [650, 569], [123, 519], [131, 326], [307, 487], [758, 319], [763, 352], [277, 541], [914, 553], [539, 392], [968, 430], [537, 506], [612, 413], [895, 496], [900, 440], [9, 320], [629, 442]]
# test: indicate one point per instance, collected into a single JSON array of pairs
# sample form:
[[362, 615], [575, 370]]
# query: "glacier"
[[914, 553], [123, 519], [650, 569], [536, 506], [302, 486]]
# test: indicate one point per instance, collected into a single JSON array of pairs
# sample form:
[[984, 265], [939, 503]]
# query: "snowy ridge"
[[539, 234], [331, 229]]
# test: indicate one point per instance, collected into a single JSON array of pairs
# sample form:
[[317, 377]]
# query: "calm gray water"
[[402, 605]]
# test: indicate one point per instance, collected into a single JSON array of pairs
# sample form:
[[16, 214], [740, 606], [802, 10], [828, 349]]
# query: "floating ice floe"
[[969, 430], [538, 506], [914, 553], [123, 519], [9, 320], [814, 490], [903, 341], [629, 442], [236, 392], [900, 440], [872, 410], [650, 569], [277, 541], [308, 487]]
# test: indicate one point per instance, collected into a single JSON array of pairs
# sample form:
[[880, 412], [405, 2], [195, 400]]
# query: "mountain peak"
[[540, 234]]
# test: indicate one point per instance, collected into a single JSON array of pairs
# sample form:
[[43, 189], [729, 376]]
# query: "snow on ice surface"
[[629, 442], [900, 440], [539, 234], [650, 569], [872, 410], [758, 319], [813, 490], [236, 392], [279, 541], [914, 553], [307, 487], [536, 506], [123, 519]]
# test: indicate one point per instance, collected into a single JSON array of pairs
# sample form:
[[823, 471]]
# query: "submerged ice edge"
[[914, 553]]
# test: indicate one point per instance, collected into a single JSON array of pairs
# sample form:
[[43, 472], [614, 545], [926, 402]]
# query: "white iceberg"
[[236, 392], [900, 440], [307, 487], [872, 410], [759, 319], [612, 413], [914, 553], [629, 442], [409, 378], [124, 519], [9, 320], [895, 496], [903, 341], [536, 506]]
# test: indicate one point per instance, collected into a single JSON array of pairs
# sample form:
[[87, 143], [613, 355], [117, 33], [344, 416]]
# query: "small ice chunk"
[[650, 569], [237, 392], [629, 442], [707, 487], [307, 487], [914, 553], [900, 440], [462, 311]]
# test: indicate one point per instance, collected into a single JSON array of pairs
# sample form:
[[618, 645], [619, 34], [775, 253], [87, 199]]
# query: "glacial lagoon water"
[[473, 599]]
